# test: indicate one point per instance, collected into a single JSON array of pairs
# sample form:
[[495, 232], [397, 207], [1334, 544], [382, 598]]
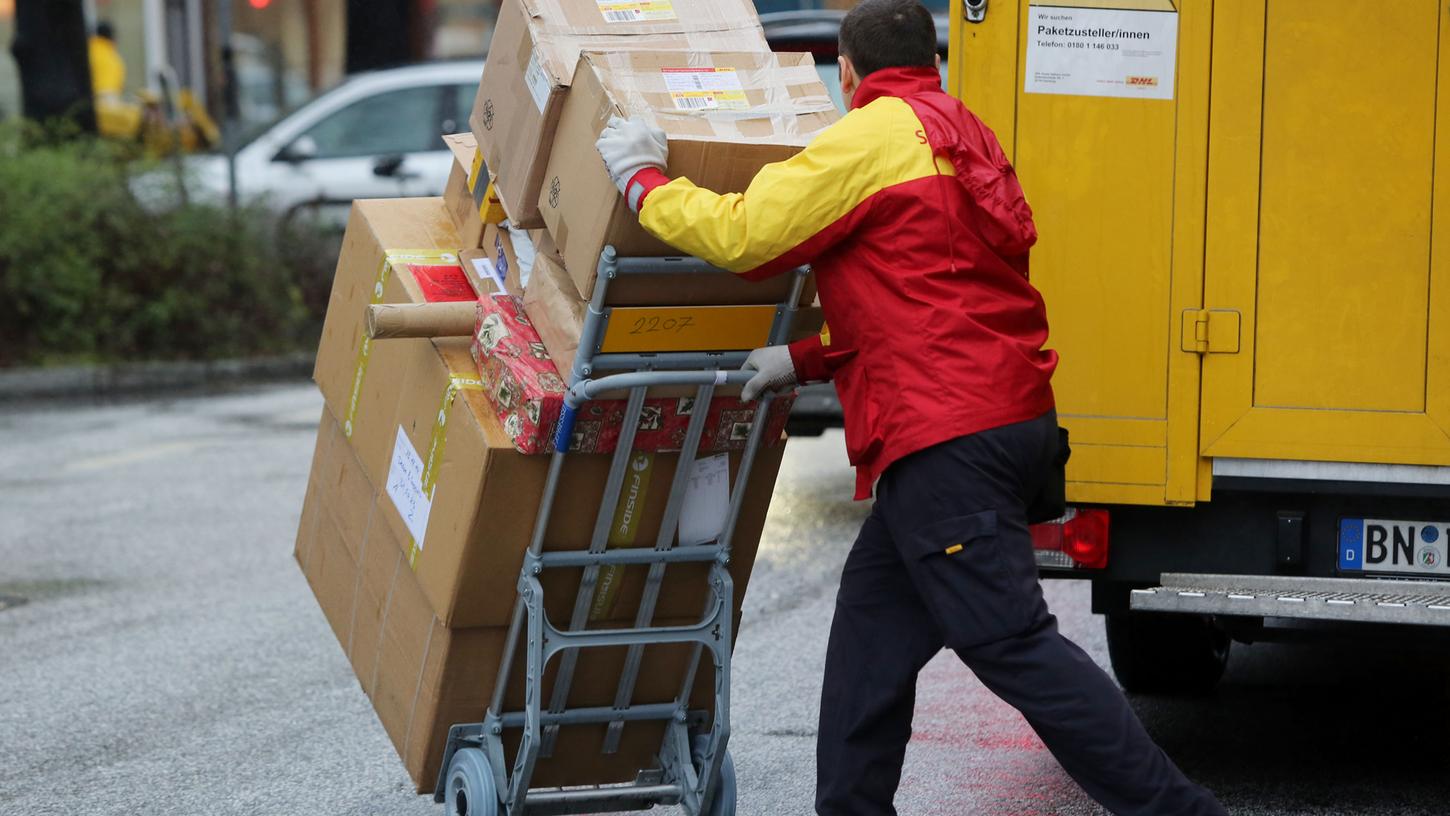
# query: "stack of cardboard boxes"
[[428, 471]]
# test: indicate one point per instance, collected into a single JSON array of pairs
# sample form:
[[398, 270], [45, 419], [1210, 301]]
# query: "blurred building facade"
[[285, 51]]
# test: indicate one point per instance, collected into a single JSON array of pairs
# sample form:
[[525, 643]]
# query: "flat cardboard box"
[[469, 193], [536, 45], [412, 412], [779, 106], [557, 310], [423, 677]]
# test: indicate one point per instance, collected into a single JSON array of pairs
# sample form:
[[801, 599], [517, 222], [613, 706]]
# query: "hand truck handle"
[[586, 390]]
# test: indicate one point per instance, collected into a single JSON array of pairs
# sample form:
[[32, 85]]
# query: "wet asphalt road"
[[168, 658]]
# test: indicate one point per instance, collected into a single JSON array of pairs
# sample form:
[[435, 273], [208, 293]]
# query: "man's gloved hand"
[[775, 372], [629, 146]]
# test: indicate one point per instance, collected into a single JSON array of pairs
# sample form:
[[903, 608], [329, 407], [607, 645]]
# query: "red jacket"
[[918, 232]]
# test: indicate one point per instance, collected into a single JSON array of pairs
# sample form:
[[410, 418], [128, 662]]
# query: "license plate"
[[1385, 545]]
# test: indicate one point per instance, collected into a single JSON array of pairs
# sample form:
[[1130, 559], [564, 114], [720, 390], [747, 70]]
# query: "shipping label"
[[487, 271], [442, 283], [501, 261], [1101, 52], [705, 88], [537, 81], [405, 488], [636, 11], [707, 501]]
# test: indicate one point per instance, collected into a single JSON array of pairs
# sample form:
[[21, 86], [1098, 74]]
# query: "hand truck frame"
[[696, 770]]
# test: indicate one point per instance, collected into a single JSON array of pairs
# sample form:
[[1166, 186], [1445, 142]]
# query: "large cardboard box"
[[463, 502], [536, 44], [469, 193], [423, 677], [758, 109], [459, 499]]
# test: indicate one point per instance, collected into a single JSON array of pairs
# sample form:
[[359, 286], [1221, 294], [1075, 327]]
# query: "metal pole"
[[153, 27], [229, 98]]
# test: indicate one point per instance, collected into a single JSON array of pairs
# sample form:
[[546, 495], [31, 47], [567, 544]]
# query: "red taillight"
[[1081, 535]]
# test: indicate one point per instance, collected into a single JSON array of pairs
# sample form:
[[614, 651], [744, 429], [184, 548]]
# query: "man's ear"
[[849, 79], [938, 62]]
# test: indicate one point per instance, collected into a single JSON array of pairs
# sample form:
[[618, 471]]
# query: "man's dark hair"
[[880, 34], [104, 29]]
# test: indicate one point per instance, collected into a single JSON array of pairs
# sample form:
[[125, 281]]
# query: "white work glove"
[[629, 146], [775, 372]]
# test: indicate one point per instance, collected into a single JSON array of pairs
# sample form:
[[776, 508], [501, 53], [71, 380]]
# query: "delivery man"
[[108, 69], [918, 233]]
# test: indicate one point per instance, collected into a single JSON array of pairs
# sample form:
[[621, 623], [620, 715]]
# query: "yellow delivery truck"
[[1244, 209]]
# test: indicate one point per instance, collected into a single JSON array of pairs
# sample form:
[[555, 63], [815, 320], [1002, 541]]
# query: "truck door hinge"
[[1211, 331]]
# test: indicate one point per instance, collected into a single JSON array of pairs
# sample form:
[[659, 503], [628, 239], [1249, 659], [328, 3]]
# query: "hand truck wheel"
[[724, 802], [471, 790]]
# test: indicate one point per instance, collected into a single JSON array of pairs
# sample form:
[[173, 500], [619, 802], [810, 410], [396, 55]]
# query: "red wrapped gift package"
[[527, 394]]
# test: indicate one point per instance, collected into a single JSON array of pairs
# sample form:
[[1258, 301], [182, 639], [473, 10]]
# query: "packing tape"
[[740, 97], [623, 531], [365, 349], [650, 17], [478, 172], [457, 383], [560, 46]]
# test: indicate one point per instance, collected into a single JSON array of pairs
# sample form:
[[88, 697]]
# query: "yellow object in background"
[[108, 70]]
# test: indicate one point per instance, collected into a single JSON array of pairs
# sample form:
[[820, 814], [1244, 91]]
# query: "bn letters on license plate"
[[1382, 545]]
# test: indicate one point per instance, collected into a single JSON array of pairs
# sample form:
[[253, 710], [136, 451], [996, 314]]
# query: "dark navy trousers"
[[945, 560]]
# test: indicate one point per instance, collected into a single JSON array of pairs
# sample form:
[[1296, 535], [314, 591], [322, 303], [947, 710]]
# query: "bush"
[[88, 273]]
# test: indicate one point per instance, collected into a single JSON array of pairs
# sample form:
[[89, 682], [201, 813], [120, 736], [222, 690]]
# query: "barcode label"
[[694, 102], [636, 11], [705, 88], [538, 82]]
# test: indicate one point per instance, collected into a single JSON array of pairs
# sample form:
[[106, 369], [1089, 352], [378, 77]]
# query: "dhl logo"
[[1143, 81]]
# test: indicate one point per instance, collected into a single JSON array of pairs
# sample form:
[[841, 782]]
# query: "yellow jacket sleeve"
[[792, 211]]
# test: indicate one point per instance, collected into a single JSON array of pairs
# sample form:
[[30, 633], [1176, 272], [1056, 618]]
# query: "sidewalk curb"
[[139, 378]]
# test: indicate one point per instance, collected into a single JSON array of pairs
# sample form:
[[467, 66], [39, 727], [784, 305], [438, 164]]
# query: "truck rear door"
[[1117, 186], [1327, 181]]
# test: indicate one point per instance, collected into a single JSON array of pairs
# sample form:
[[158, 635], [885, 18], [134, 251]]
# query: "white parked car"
[[377, 135]]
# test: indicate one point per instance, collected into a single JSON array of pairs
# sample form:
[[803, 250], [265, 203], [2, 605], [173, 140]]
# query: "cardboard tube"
[[389, 320]]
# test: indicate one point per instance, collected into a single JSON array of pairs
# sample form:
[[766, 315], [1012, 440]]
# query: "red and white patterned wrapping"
[[527, 395]]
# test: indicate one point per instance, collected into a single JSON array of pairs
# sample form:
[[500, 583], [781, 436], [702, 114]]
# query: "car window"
[[457, 103], [831, 78], [401, 121]]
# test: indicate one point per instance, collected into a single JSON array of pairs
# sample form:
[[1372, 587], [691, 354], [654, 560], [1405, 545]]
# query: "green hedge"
[[89, 274]]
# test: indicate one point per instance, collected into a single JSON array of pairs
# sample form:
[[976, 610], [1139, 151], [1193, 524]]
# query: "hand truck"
[[694, 765]]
